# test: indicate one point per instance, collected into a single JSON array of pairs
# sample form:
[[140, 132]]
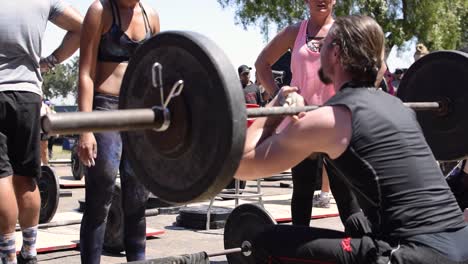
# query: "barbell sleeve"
[[98, 121], [225, 252]]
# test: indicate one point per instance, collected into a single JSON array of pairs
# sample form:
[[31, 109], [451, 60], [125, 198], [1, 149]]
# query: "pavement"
[[177, 240]]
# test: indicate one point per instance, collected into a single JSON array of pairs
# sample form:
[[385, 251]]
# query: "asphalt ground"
[[175, 240]]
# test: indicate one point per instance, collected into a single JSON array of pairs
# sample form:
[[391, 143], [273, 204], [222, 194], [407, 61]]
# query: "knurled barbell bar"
[[196, 156]]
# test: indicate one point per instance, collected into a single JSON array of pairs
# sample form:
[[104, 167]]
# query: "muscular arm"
[[271, 53], [69, 20], [90, 37], [326, 130]]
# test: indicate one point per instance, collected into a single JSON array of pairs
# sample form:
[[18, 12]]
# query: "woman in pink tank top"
[[303, 40]]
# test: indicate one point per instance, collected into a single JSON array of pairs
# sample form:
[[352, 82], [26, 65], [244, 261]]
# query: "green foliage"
[[439, 24], [62, 81]]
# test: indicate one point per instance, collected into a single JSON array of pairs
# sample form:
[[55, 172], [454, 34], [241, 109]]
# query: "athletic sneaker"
[[321, 201], [21, 260]]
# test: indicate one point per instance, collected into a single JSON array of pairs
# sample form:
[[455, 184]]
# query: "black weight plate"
[[199, 213], [113, 237], [198, 155], [441, 75], [49, 189], [199, 225], [244, 224]]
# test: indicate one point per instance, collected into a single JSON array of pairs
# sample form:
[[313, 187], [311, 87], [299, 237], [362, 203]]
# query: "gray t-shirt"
[[22, 26]]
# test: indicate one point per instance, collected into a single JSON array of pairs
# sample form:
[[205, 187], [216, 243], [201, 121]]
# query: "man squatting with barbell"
[[381, 158]]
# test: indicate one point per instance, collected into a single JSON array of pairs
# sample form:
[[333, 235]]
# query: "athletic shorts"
[[20, 134]]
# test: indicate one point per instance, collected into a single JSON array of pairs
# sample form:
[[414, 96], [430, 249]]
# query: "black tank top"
[[391, 168], [115, 45]]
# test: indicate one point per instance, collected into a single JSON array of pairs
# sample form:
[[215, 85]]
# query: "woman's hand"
[[87, 149]]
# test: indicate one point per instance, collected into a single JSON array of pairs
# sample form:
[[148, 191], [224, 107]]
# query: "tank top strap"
[[145, 19], [115, 13], [301, 36]]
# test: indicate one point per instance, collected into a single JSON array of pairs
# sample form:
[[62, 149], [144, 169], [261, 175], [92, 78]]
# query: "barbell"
[[183, 115]]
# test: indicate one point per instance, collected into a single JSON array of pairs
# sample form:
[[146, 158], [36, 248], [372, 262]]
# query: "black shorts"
[[20, 134]]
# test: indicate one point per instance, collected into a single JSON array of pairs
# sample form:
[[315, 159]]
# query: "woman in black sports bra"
[[111, 32]]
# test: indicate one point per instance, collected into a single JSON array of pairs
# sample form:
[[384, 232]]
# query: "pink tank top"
[[305, 64]]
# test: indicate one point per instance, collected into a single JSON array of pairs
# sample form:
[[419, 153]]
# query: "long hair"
[[361, 42]]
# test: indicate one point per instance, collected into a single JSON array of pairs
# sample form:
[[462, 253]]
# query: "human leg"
[[24, 153], [322, 200], [134, 198], [8, 216], [8, 206], [299, 244], [304, 176], [44, 152], [100, 181]]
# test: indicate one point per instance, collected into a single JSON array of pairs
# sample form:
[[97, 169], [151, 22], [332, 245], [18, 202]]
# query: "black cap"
[[398, 71], [243, 68]]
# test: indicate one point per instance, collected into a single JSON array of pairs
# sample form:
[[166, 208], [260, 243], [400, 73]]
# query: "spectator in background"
[[300, 44], [421, 51], [397, 75], [266, 96], [252, 93], [22, 27]]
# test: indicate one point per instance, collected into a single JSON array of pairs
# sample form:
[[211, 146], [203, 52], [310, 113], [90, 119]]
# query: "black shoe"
[[21, 260]]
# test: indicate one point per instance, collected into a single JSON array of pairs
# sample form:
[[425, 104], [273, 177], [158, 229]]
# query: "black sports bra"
[[115, 45]]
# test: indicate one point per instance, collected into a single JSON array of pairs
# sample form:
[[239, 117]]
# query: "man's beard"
[[325, 79]]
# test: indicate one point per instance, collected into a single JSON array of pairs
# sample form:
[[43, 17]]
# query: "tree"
[[62, 81], [439, 24]]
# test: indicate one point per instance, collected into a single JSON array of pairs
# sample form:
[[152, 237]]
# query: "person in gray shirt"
[[22, 26]]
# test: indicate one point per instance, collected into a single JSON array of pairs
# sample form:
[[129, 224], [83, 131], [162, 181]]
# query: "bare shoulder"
[[293, 28], [98, 6], [98, 15], [149, 10], [153, 17], [290, 32]]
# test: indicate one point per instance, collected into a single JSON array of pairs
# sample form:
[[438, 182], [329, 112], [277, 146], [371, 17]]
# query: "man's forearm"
[[262, 128], [70, 44]]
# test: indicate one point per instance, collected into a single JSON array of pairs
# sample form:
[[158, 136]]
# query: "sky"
[[242, 46]]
